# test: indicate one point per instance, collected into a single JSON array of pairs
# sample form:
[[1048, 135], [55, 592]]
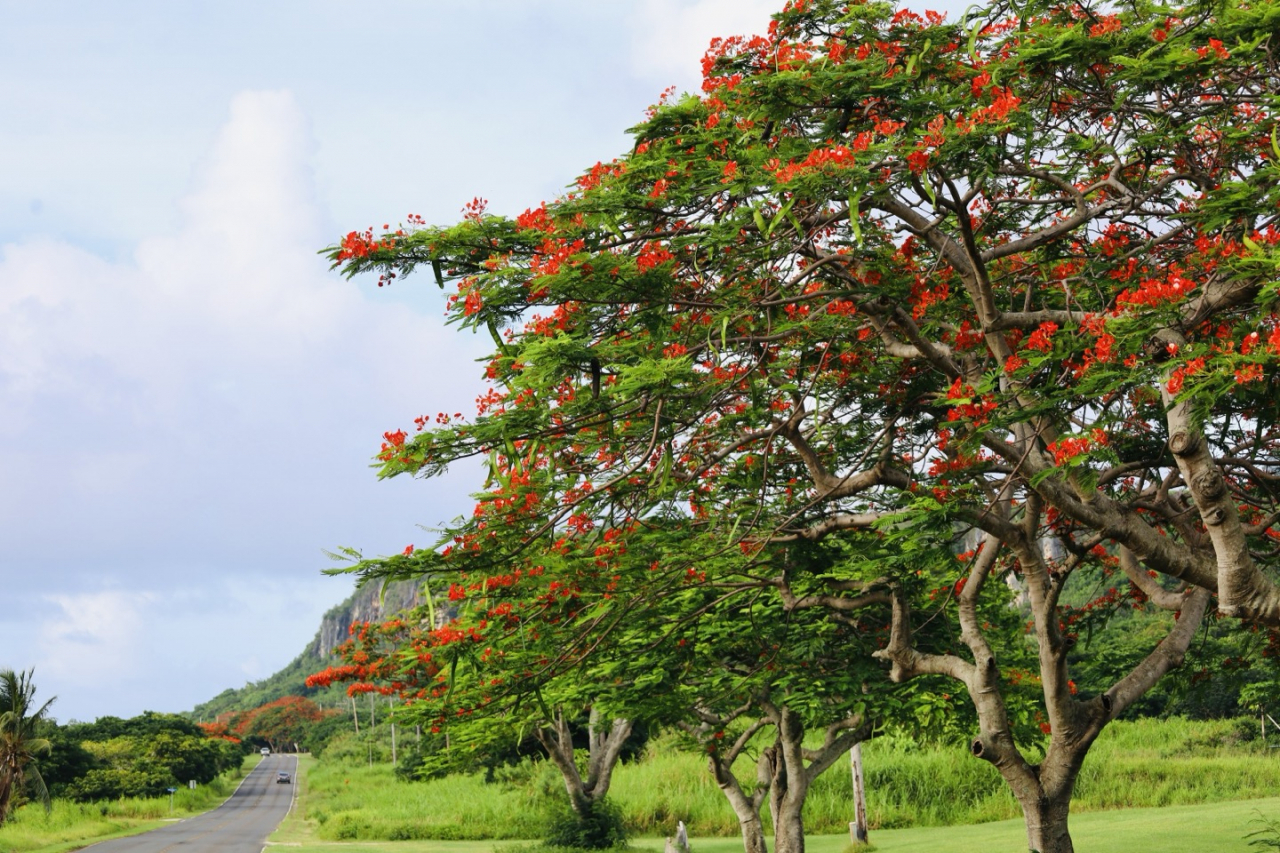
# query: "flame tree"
[[1008, 280], [648, 627]]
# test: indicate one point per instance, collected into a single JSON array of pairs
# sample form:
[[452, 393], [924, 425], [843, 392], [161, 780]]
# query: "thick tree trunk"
[[745, 807], [786, 802], [795, 768], [752, 830], [784, 772], [790, 782], [788, 824], [1043, 791], [1046, 820], [603, 752]]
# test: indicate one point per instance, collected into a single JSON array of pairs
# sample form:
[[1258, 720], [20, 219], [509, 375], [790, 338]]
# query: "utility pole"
[[858, 827], [391, 704]]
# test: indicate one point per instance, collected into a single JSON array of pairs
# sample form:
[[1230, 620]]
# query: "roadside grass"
[[1143, 763], [1139, 763], [71, 825], [1219, 827], [348, 802]]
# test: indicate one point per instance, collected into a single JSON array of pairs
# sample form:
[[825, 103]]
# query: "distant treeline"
[[138, 757]]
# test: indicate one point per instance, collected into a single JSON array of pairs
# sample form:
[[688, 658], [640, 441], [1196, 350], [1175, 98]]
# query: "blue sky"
[[190, 399]]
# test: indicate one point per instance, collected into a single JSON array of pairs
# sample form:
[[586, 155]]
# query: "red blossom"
[[1042, 338]]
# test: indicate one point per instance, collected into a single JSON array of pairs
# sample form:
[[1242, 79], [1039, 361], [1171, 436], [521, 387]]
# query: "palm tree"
[[19, 745]]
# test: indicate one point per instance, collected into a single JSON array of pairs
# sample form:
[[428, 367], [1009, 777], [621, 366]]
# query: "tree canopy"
[[1004, 285]]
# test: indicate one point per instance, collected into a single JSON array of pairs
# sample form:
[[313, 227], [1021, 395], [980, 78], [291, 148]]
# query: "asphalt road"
[[240, 825]]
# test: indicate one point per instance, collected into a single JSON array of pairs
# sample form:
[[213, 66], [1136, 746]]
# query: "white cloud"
[[120, 651], [94, 638], [196, 421], [225, 351], [671, 36]]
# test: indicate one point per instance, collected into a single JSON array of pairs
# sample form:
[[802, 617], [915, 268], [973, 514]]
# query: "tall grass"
[[1140, 763], [31, 828], [355, 801]]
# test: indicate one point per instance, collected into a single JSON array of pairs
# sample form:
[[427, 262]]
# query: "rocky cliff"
[[369, 604]]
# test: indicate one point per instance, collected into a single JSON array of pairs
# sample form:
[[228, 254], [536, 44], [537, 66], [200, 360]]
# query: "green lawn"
[[1212, 828], [1217, 827]]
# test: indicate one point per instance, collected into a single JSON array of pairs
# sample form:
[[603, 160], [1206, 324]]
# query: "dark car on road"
[[283, 778]]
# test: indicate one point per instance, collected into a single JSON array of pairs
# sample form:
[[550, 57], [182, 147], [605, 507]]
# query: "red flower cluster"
[[1106, 24], [334, 673], [599, 173], [977, 410], [653, 255], [1153, 291], [836, 156], [1215, 47], [1066, 449], [361, 244], [1181, 372], [535, 219], [1042, 338], [552, 255]]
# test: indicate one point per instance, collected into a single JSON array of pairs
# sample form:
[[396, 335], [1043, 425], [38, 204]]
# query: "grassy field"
[[1219, 827], [73, 825], [1146, 763]]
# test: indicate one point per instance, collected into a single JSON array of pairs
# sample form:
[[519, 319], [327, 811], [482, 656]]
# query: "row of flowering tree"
[[287, 724], [665, 630], [1003, 287]]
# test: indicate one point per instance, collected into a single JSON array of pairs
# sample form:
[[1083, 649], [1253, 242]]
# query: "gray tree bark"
[[603, 749], [1044, 792], [794, 768], [746, 807]]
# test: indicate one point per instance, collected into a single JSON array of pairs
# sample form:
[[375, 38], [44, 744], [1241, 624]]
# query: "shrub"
[[113, 783], [598, 827]]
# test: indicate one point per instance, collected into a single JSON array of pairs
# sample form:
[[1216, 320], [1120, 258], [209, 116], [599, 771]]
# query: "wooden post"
[[355, 715], [858, 828]]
